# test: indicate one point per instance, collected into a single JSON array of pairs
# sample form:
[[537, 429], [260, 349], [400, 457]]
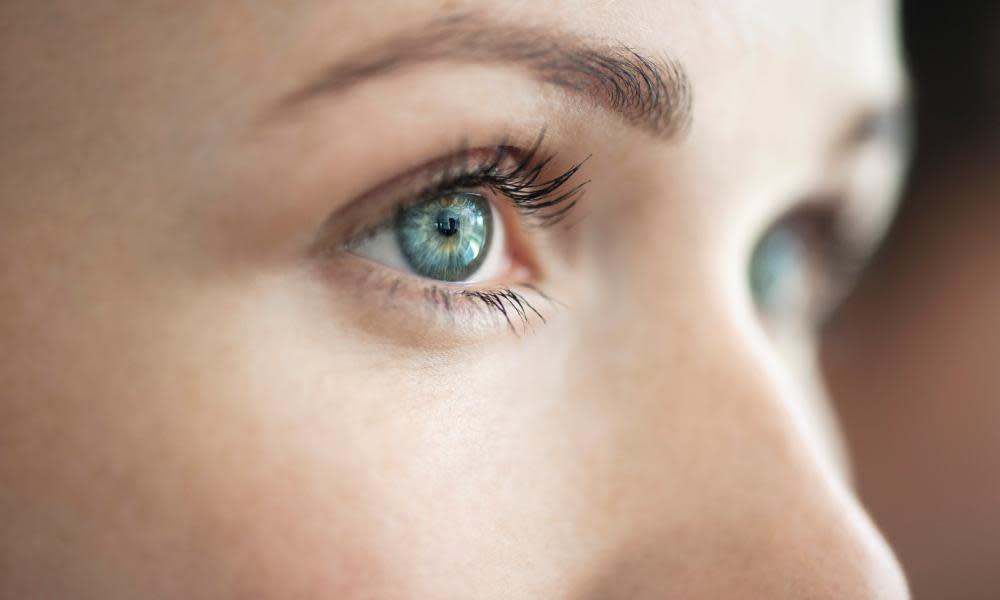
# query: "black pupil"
[[447, 223]]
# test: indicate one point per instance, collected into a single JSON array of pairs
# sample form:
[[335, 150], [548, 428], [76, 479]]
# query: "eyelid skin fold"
[[525, 197], [517, 173]]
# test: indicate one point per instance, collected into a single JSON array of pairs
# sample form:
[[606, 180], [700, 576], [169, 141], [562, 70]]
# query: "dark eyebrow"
[[653, 95]]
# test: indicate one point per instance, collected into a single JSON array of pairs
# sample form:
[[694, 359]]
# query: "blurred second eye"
[[803, 266], [779, 273]]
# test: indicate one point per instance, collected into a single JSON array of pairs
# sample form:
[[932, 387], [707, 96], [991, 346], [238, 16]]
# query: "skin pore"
[[213, 389]]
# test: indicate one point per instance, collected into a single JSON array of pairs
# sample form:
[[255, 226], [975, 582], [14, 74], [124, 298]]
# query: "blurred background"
[[913, 357]]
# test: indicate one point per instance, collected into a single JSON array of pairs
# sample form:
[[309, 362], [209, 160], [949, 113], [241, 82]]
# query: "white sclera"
[[382, 247]]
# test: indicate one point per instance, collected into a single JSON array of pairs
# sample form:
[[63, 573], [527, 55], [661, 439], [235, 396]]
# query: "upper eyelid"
[[462, 170], [380, 203], [523, 183]]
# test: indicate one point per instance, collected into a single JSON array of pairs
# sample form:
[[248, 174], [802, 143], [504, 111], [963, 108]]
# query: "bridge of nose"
[[706, 484]]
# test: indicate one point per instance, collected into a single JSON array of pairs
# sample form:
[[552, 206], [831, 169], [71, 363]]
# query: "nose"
[[719, 491]]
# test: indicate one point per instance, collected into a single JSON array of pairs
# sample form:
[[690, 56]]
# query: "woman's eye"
[[779, 272], [464, 235], [802, 267], [453, 237]]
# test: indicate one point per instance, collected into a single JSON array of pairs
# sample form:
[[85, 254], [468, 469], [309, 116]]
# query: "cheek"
[[256, 458], [287, 473], [194, 445], [287, 479], [461, 471]]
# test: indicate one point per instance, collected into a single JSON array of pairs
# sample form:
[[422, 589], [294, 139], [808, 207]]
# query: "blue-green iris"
[[446, 238], [777, 268]]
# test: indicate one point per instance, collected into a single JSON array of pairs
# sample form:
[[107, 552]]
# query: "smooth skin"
[[195, 404]]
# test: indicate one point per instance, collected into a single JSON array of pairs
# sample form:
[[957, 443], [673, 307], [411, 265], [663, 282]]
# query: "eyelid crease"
[[515, 174], [504, 170], [398, 300], [521, 183]]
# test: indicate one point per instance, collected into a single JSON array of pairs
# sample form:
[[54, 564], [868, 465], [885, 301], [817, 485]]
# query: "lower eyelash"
[[513, 306], [507, 301], [509, 172], [395, 303]]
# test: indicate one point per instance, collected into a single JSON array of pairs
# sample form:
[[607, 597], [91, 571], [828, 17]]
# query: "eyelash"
[[512, 305], [545, 201], [517, 175]]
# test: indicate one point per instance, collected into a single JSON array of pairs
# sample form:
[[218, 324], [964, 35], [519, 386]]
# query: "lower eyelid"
[[402, 306], [391, 300]]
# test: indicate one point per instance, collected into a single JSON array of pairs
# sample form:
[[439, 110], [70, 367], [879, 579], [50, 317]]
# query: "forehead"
[[802, 68], [822, 62], [844, 47]]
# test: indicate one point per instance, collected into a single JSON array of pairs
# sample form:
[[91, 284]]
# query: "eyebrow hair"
[[653, 95]]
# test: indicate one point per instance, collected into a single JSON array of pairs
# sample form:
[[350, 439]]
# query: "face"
[[433, 299]]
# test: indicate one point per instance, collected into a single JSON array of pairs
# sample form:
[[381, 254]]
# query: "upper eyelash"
[[510, 171], [520, 180]]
